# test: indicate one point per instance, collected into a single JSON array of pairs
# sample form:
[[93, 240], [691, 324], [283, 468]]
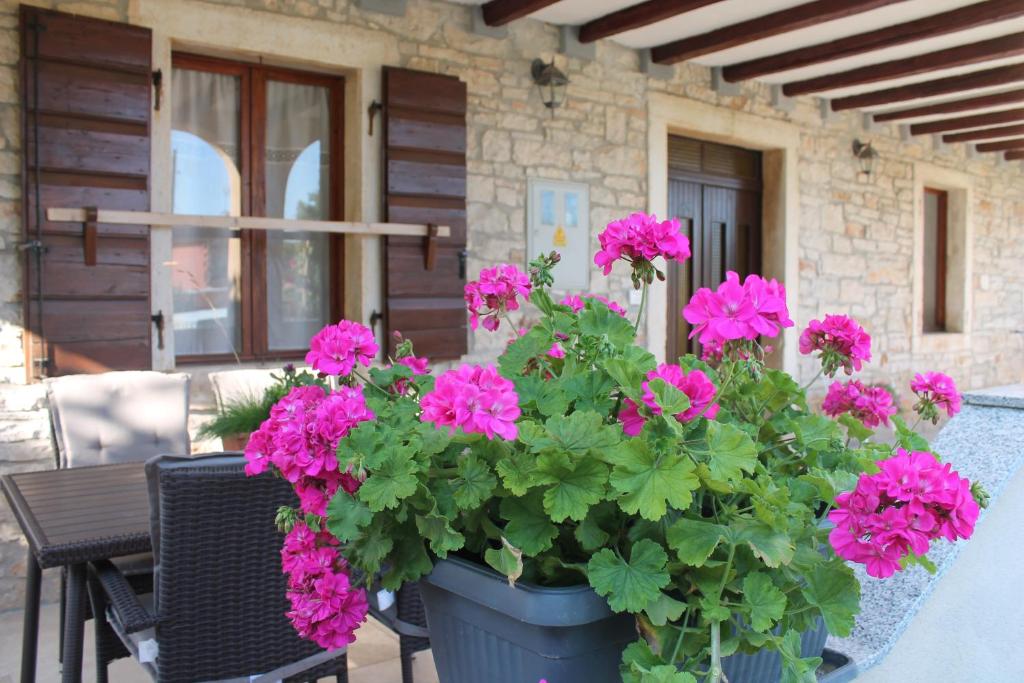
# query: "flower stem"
[[814, 379], [640, 313], [715, 675], [367, 382]]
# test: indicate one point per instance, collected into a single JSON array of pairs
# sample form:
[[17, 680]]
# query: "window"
[[254, 141], [936, 222]]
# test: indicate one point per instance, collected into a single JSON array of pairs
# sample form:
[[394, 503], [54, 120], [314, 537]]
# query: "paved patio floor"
[[372, 659]]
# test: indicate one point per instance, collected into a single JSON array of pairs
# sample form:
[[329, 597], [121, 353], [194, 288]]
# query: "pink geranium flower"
[[840, 341], [475, 399], [870, 404], [935, 391], [494, 294], [695, 384], [336, 349], [748, 310], [576, 303], [641, 238]]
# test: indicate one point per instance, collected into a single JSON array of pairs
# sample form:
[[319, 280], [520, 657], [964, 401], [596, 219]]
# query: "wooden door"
[[715, 192]]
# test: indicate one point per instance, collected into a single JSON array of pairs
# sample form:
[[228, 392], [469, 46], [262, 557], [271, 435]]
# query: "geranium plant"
[[703, 496]]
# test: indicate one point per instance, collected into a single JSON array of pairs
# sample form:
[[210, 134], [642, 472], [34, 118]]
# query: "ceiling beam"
[[961, 19], [1015, 155], [962, 55], [976, 121], [953, 106], [1002, 75], [636, 16], [783, 21], [500, 12], [984, 134], [1001, 146]]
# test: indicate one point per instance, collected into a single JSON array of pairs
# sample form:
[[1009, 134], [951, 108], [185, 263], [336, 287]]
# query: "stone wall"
[[856, 238]]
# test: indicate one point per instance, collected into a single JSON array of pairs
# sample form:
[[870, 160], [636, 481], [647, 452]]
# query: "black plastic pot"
[[766, 666], [481, 629]]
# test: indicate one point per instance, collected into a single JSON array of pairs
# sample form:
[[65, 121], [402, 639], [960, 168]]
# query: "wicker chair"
[[117, 417], [218, 605]]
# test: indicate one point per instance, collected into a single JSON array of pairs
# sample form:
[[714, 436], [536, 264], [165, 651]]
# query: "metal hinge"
[[158, 320], [158, 82], [32, 245], [372, 110]]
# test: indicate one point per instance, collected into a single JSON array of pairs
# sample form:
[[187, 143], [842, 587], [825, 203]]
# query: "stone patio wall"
[[855, 241]]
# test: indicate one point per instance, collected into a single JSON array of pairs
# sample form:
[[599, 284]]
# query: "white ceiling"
[[729, 12]]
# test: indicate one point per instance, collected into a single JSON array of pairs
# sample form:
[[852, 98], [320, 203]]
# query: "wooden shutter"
[[86, 100], [425, 182]]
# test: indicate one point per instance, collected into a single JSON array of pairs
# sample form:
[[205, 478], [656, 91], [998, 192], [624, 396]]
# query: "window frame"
[[941, 260], [253, 314]]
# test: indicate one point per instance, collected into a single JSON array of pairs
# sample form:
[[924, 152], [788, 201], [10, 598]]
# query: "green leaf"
[[694, 540], [589, 391], [474, 485], [833, 589], [408, 561], [521, 351], [712, 610], [507, 560], [574, 488], [438, 531], [665, 673], [729, 452], [772, 547], [671, 400], [582, 431], [590, 533], [360, 446], [664, 610], [908, 438], [547, 396], [630, 586], [764, 600], [626, 374], [597, 320], [529, 528], [388, 485], [516, 471], [347, 516], [816, 432], [796, 669], [374, 545], [647, 482], [855, 428]]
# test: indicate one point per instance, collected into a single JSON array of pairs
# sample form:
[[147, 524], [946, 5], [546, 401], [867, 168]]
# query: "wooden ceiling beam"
[[984, 134], [783, 21], [962, 55], [501, 12], [1001, 146], [1002, 75], [961, 19], [976, 121], [953, 106], [636, 16], [1015, 155]]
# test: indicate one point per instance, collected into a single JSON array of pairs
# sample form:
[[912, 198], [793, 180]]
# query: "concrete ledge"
[[1008, 396]]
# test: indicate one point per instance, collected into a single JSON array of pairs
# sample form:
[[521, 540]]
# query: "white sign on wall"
[[558, 219]]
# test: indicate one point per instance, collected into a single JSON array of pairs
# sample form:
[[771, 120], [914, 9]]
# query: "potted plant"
[[579, 511], [237, 419]]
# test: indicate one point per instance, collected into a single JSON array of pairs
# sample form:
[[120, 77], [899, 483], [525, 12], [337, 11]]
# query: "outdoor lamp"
[[551, 83], [866, 156]]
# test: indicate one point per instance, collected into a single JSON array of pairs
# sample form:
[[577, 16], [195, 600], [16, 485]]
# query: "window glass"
[[205, 263]]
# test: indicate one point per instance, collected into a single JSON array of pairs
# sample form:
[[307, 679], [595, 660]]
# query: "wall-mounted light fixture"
[[866, 156], [551, 83]]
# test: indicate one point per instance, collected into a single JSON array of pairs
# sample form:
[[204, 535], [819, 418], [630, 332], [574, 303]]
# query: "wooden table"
[[71, 517]]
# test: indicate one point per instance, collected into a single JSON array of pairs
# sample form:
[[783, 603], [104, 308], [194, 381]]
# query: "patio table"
[[71, 517]]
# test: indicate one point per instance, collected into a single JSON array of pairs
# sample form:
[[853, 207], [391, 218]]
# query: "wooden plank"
[[984, 133], [1014, 155], [422, 175], [109, 44], [1001, 145], [941, 86], [85, 283], [86, 151], [75, 215], [501, 12], [960, 19], [962, 55], [427, 130], [758, 28], [975, 121], [409, 91], [88, 90], [636, 16], [953, 106], [410, 278]]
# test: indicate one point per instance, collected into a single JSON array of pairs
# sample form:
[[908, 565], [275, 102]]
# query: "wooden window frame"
[[941, 257], [252, 133]]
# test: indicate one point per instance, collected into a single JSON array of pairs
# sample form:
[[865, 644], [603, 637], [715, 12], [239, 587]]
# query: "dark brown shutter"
[[425, 182], [86, 96]]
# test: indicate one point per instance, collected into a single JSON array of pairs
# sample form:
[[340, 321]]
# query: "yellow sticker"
[[559, 239]]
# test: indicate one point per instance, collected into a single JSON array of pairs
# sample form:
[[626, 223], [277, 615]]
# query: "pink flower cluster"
[[737, 310], [911, 501], [495, 293], [641, 237], [695, 384], [576, 303], [869, 404], [935, 391], [475, 399], [418, 366], [841, 341], [336, 349], [325, 607], [300, 439]]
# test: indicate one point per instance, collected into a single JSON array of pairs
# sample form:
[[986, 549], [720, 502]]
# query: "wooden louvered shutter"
[[425, 182], [86, 99]]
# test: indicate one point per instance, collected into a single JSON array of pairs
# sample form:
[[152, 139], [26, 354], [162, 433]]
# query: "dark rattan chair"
[[217, 611]]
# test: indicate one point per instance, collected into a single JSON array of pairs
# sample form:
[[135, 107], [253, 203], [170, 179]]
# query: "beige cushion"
[[232, 386], [118, 416]]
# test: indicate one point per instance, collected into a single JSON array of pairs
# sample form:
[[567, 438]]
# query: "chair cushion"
[[118, 416]]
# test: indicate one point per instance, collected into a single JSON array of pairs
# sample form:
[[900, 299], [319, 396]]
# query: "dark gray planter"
[[481, 629], [766, 666]]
